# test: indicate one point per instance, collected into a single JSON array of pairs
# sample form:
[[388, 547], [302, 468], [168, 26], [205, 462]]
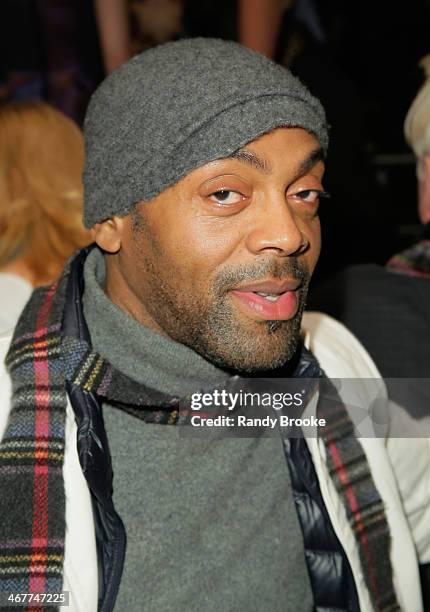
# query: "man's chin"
[[269, 347]]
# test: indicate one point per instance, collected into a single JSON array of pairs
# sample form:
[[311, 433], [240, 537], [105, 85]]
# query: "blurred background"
[[360, 58]]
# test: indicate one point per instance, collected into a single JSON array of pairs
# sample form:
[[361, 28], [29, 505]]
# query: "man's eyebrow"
[[310, 161], [250, 158]]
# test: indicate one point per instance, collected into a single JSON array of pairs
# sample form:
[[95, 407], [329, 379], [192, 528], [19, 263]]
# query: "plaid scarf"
[[32, 502], [414, 261]]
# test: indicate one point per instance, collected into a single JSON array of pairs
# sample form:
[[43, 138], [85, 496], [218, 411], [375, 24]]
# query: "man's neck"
[[135, 350]]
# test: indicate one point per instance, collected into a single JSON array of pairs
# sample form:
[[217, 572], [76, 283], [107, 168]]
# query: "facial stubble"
[[207, 320]]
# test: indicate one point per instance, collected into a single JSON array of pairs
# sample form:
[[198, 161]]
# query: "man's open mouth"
[[270, 300]]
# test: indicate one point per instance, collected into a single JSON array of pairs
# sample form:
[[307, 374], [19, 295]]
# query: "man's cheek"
[[315, 246]]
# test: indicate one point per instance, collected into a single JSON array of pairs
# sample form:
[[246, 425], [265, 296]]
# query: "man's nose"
[[276, 228]]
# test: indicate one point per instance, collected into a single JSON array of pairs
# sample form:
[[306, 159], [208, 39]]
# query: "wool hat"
[[179, 106]]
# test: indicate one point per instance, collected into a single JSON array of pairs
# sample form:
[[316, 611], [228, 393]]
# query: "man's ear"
[[108, 234]]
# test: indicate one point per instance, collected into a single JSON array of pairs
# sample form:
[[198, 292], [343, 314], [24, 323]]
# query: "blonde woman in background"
[[417, 134], [388, 307], [41, 159]]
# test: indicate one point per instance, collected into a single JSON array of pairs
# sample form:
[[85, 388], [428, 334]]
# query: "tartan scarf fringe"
[[32, 452], [365, 511]]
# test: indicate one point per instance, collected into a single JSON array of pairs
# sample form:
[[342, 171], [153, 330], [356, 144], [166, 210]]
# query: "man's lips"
[[280, 304], [275, 286]]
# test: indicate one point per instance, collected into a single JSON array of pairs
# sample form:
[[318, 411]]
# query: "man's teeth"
[[269, 296]]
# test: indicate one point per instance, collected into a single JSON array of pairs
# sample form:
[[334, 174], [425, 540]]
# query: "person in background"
[[417, 133], [260, 23], [41, 159], [387, 307], [114, 32], [153, 22], [128, 27]]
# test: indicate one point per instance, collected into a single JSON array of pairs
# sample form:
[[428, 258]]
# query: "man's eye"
[[226, 196], [313, 196]]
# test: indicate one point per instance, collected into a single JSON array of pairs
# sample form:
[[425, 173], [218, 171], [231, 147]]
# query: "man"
[[203, 176]]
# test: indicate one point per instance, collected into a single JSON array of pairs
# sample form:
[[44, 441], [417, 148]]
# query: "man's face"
[[221, 261]]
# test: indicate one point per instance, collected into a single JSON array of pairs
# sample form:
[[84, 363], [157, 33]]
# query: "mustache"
[[230, 278]]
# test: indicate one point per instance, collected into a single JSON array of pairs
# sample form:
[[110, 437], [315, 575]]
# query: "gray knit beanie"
[[178, 106]]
